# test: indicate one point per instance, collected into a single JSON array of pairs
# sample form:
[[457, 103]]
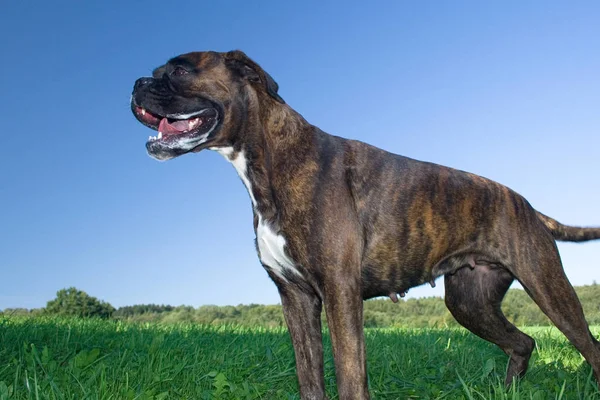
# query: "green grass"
[[55, 358]]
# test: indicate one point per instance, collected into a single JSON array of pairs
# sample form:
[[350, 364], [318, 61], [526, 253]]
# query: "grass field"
[[54, 358]]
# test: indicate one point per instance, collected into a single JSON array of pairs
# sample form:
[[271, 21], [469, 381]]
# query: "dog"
[[338, 221]]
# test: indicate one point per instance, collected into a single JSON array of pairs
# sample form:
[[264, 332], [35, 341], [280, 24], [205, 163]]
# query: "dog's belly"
[[389, 279], [380, 280]]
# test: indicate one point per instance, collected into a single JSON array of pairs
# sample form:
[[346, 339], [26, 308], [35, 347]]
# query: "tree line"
[[380, 313]]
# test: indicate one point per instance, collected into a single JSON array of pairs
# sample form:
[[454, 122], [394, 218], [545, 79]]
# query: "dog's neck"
[[262, 158]]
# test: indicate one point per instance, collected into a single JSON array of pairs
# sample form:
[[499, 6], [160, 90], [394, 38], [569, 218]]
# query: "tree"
[[74, 302]]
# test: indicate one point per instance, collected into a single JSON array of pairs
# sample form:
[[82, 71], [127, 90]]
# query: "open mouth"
[[177, 133], [174, 127]]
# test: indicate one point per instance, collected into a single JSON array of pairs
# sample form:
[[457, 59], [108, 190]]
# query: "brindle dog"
[[338, 221]]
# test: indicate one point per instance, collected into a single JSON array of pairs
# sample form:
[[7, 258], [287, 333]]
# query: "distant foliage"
[[427, 312], [77, 303], [139, 309], [430, 312], [520, 309], [244, 315], [22, 312]]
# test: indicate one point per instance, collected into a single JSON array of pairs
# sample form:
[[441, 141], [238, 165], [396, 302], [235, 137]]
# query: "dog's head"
[[200, 100]]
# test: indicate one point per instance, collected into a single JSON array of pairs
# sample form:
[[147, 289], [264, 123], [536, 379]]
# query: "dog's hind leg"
[[545, 281], [473, 296]]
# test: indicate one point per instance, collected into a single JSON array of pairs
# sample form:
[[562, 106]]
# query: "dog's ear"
[[242, 64]]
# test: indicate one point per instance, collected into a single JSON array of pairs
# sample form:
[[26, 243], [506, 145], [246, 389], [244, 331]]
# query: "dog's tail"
[[568, 233]]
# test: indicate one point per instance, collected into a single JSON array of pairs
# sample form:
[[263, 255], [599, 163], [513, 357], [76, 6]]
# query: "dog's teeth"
[[149, 137], [193, 123], [160, 135], [143, 111]]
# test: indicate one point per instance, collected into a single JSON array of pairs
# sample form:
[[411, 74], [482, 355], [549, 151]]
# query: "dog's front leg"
[[302, 312], [344, 309]]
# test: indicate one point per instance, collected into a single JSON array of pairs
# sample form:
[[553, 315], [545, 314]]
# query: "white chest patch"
[[271, 245]]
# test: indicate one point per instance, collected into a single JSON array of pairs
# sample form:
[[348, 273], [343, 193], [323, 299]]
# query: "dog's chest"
[[271, 249], [271, 245]]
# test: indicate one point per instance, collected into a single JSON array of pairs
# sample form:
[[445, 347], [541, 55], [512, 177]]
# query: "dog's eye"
[[179, 71]]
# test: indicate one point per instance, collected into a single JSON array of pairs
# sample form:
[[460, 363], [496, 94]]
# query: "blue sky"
[[508, 90]]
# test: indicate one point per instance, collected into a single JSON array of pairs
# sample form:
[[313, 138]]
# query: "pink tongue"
[[173, 128]]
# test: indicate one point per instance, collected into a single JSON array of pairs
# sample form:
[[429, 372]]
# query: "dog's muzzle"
[[178, 131]]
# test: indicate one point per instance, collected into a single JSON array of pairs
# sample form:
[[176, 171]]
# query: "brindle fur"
[[361, 222]]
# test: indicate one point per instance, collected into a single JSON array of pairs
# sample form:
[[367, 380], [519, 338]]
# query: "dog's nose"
[[141, 82]]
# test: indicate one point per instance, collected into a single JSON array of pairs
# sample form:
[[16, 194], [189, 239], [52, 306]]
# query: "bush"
[[77, 303]]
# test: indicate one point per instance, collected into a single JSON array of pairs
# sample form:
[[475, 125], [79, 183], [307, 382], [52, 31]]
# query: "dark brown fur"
[[360, 222]]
